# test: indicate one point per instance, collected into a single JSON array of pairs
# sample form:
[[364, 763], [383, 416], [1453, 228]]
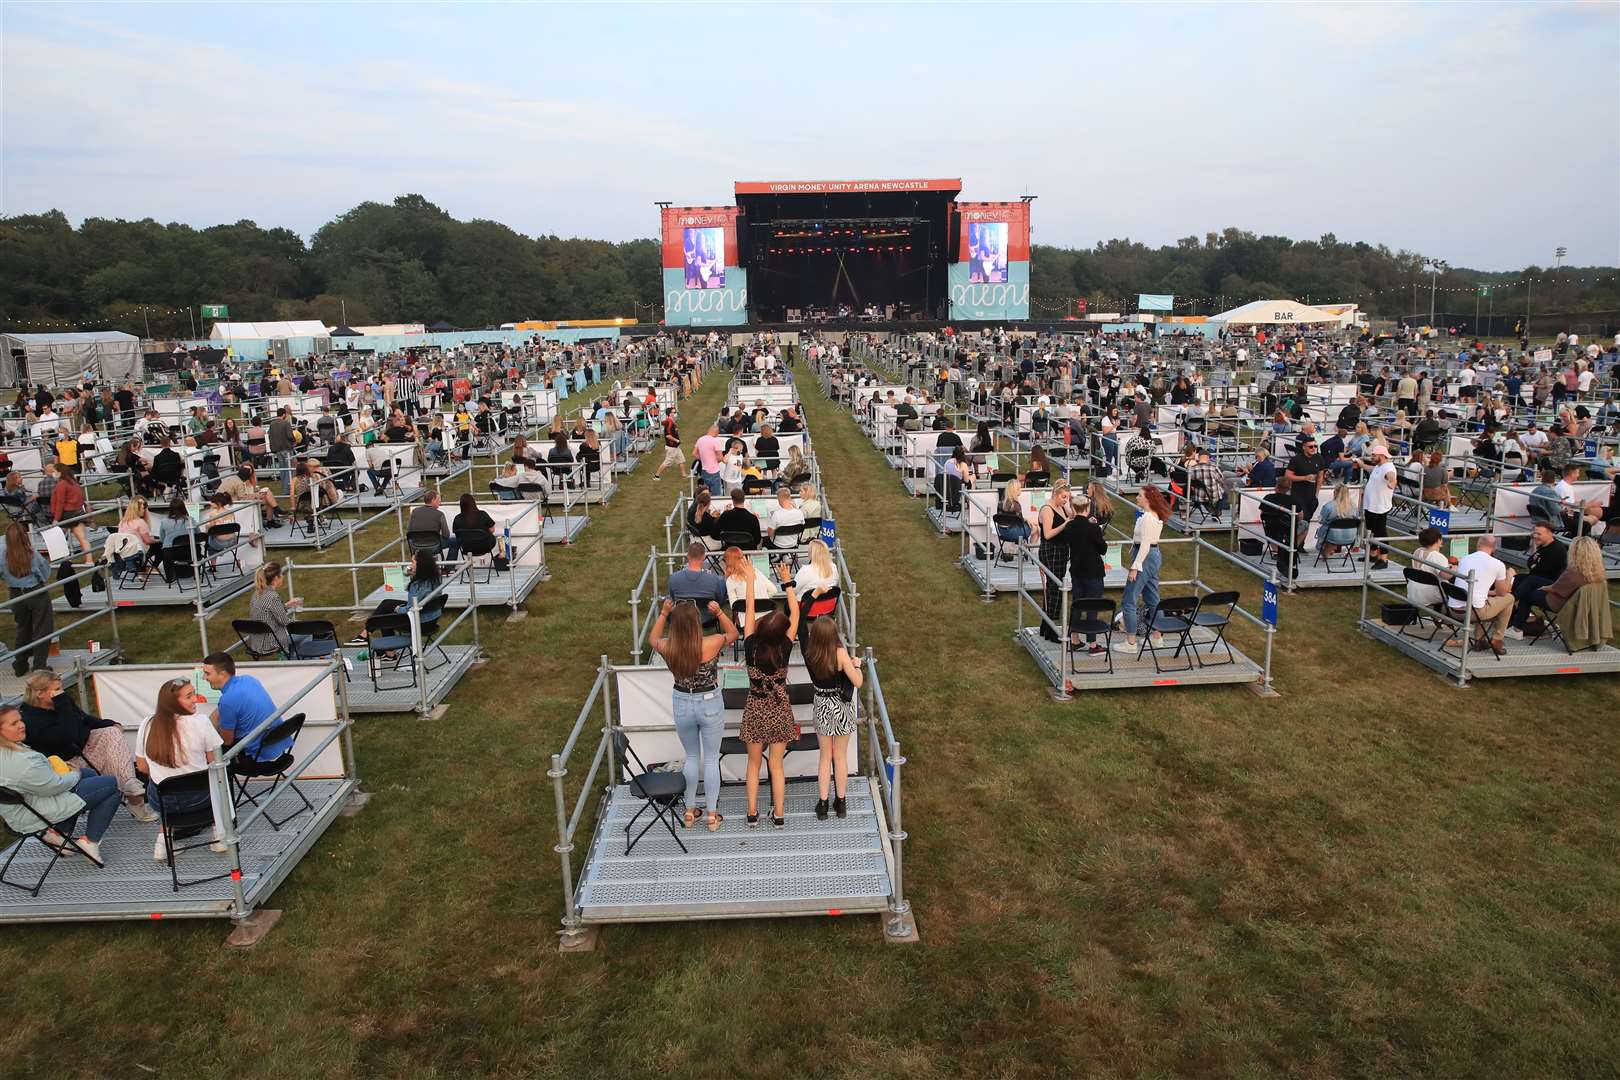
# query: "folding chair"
[[1454, 591], [304, 509], [787, 538], [1172, 615], [428, 619], [1549, 625], [738, 539], [430, 540], [8, 797], [389, 633], [1422, 615], [127, 549], [244, 770], [1346, 559], [659, 791], [1004, 522], [178, 563], [1093, 616], [312, 639], [223, 538], [1211, 616], [814, 607], [247, 628], [478, 544], [176, 825]]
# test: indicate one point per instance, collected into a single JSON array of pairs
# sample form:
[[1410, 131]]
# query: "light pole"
[[1558, 256], [1436, 268]]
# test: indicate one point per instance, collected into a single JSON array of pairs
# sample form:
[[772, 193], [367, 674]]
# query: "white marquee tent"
[[64, 359], [1279, 312], [268, 331]]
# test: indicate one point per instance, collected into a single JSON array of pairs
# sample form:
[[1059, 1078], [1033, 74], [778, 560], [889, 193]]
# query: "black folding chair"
[[222, 543], [178, 563], [248, 628], [390, 633], [1345, 559], [430, 540], [476, 544], [312, 639], [179, 825], [1421, 614], [1093, 616], [659, 791], [1172, 615], [1215, 613], [8, 797], [1459, 593], [245, 770]]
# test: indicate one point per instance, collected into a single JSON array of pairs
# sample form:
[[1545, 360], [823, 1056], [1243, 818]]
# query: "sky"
[[1485, 135]]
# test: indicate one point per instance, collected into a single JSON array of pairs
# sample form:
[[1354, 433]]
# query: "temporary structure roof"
[[64, 359], [264, 331], [390, 329], [1267, 312]]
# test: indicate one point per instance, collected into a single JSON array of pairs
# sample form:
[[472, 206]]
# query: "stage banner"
[[990, 280], [1155, 302], [703, 285]]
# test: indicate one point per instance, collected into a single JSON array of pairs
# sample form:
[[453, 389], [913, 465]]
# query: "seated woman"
[[424, 582], [135, 522], [561, 460], [1342, 506], [340, 457], [809, 501], [506, 484], [1578, 601], [1437, 481], [1429, 558], [56, 797], [819, 572], [58, 727], [470, 517], [267, 606], [702, 520], [958, 468], [1010, 504], [176, 741], [1040, 469], [739, 570], [590, 452], [795, 467]]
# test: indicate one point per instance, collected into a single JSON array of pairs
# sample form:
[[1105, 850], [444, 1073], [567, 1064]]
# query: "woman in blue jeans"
[[53, 798], [1142, 583], [700, 714]]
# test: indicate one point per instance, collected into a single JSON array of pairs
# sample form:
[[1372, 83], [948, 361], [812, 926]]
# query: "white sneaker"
[[218, 846], [142, 813], [90, 848], [1123, 646], [157, 848], [1515, 634]]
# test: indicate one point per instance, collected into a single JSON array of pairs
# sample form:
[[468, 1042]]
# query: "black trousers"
[[35, 621]]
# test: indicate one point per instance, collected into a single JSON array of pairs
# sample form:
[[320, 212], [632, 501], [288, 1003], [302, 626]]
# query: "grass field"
[[1374, 875]]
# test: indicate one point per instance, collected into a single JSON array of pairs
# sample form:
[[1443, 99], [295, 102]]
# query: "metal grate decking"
[[1004, 575], [63, 663], [397, 695], [1091, 672], [1314, 575], [492, 593], [332, 529], [1464, 519], [1543, 657], [562, 528], [809, 868], [133, 885], [160, 593]]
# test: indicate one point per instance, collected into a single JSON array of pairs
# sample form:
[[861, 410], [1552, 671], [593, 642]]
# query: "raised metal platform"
[[595, 494], [371, 500], [496, 591], [1201, 524], [1091, 672], [945, 523], [832, 867], [332, 529], [133, 885], [160, 593], [1523, 658], [1464, 519], [562, 528], [1314, 576], [63, 663], [396, 695]]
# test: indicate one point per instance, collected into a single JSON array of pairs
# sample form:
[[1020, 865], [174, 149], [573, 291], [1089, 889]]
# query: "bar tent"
[[1269, 312], [63, 359]]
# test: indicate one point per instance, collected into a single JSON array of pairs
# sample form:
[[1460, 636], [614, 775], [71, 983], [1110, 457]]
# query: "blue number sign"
[[1440, 519], [829, 533], [1268, 602]]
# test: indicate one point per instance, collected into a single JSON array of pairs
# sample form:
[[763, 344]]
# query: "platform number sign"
[[829, 533], [1268, 603], [1440, 519], [1591, 448]]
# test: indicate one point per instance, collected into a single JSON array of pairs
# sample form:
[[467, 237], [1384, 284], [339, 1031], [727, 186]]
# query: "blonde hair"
[[1586, 556], [130, 511], [821, 558], [5, 742], [36, 684]]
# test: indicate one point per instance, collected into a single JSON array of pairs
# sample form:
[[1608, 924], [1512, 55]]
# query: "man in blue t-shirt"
[[244, 704]]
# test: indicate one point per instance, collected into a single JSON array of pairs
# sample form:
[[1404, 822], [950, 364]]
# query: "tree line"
[[410, 261]]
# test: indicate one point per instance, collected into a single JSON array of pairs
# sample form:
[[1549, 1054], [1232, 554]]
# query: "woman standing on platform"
[[767, 718], [699, 709], [1143, 581], [1054, 552], [836, 676]]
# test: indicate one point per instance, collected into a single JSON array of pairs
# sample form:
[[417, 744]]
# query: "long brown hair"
[[19, 550], [771, 644], [1157, 503], [163, 732], [821, 645], [683, 648]]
